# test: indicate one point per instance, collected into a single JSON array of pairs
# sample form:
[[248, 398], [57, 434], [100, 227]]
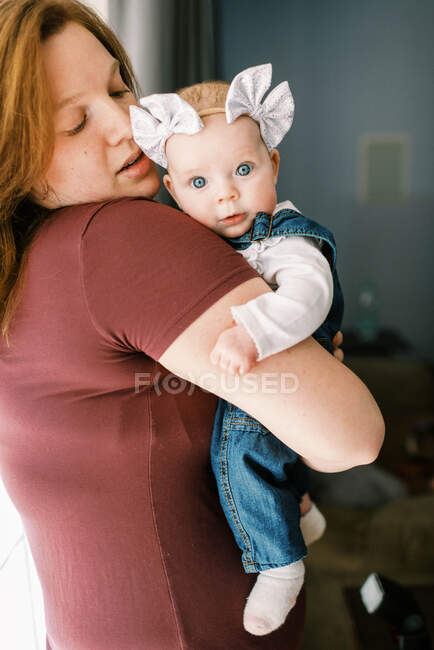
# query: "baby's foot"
[[312, 525], [272, 598]]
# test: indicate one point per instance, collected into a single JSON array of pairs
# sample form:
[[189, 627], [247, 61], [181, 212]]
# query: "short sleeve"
[[148, 271]]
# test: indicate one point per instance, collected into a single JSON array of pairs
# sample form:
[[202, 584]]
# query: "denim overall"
[[261, 480]]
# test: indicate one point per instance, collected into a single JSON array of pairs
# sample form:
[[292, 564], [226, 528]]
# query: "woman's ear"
[[275, 161]]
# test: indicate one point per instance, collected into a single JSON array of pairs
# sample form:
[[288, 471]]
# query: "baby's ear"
[[275, 161], [169, 185]]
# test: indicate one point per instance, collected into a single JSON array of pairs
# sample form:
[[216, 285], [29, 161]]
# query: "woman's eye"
[[198, 182], [79, 127], [244, 169], [120, 93]]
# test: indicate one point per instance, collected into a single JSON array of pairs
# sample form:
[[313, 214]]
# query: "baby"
[[218, 142]]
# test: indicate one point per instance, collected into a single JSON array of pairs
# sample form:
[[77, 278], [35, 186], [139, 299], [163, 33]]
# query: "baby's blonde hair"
[[207, 96]]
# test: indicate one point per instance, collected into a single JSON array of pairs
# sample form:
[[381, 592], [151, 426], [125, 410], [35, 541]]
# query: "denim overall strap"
[[284, 223], [290, 223]]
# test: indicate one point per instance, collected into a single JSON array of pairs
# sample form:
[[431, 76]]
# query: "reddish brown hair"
[[26, 117]]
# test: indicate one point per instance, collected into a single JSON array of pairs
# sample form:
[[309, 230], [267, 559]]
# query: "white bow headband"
[[163, 115]]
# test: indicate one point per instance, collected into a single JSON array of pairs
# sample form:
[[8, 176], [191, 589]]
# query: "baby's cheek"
[[266, 199], [197, 210]]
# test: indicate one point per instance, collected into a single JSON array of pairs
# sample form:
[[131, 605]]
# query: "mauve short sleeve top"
[[104, 457]]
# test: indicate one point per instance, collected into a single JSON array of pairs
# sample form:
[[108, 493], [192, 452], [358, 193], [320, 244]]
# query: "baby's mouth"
[[234, 218]]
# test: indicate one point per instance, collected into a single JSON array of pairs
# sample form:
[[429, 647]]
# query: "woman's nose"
[[117, 125]]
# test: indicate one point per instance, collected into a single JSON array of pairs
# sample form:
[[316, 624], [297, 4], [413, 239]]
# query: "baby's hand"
[[234, 351], [337, 342]]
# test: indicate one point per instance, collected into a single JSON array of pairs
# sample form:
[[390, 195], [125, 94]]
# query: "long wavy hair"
[[26, 124]]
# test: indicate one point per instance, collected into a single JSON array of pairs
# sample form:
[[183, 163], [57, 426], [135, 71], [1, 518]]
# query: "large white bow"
[[274, 115], [162, 115]]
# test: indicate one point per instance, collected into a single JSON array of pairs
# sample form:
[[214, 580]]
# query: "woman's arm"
[[330, 419]]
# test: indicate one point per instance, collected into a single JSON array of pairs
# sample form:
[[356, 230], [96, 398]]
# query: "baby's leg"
[[260, 481], [276, 590], [272, 598], [312, 521]]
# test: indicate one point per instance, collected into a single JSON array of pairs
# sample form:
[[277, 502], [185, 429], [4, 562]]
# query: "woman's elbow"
[[375, 439], [364, 426], [366, 448], [362, 449]]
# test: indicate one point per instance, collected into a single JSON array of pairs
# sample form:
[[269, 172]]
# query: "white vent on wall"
[[383, 168]]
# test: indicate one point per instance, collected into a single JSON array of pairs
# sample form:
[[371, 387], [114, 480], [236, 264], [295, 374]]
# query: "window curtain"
[[171, 43]]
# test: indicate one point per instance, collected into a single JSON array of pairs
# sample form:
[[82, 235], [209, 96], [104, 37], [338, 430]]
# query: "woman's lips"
[[138, 169], [234, 219]]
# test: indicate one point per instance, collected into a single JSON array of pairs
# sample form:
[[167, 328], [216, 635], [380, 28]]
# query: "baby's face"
[[223, 175]]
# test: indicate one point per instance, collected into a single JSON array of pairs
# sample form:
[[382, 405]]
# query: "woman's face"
[[93, 137]]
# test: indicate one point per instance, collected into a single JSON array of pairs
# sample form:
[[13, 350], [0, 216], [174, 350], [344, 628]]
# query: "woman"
[[102, 297]]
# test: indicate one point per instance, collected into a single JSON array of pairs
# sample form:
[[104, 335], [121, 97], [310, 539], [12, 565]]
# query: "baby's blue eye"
[[244, 169], [198, 182]]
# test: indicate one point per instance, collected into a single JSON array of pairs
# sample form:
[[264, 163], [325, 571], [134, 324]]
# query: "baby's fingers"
[[229, 363], [245, 367], [235, 368], [225, 364], [231, 370], [215, 356], [338, 354]]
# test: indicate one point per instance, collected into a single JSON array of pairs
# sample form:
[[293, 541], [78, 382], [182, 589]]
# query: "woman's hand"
[[235, 351], [337, 342]]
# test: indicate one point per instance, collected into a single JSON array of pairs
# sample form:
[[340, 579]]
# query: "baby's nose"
[[228, 192]]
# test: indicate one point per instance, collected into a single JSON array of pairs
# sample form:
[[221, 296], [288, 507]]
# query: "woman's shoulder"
[[130, 206], [148, 271], [127, 221], [144, 220], [120, 213], [133, 227]]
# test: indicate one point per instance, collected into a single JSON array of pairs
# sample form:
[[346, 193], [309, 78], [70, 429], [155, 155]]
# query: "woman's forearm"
[[316, 406], [331, 418], [303, 395]]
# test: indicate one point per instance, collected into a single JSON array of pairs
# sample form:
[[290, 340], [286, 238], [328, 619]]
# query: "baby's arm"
[[276, 321]]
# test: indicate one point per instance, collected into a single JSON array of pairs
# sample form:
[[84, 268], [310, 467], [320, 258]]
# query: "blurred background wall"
[[355, 68]]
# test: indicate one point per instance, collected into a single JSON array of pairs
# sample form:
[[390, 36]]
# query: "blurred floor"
[[395, 538]]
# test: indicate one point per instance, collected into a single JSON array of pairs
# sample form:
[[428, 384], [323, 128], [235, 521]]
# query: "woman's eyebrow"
[[73, 98]]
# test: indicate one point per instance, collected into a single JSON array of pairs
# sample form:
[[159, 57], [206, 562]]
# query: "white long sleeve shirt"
[[301, 276]]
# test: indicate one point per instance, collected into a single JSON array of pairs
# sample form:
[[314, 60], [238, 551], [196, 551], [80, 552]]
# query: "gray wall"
[[354, 68]]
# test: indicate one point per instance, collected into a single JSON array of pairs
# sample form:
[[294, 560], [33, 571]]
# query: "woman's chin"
[[147, 187]]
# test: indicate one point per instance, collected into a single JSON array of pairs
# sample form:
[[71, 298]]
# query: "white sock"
[[272, 598], [312, 525]]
